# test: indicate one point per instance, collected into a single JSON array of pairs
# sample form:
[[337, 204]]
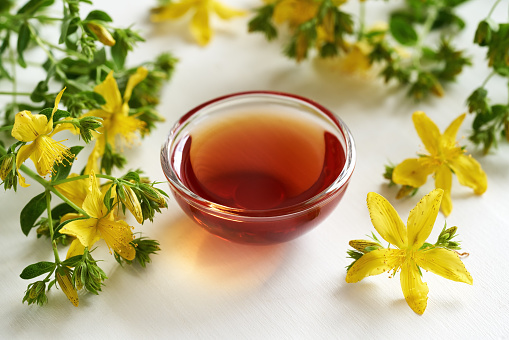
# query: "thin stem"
[[8, 127], [488, 78], [492, 9], [9, 93], [362, 19], [66, 200], [41, 43], [50, 226], [432, 16]]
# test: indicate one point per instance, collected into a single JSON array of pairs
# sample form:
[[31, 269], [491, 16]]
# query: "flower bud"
[[483, 33], [6, 163], [130, 200], [361, 245], [63, 277], [102, 33]]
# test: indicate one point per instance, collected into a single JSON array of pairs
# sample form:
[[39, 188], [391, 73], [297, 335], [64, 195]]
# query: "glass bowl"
[[258, 167]]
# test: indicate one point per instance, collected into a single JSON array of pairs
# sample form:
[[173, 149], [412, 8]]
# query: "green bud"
[[87, 125], [36, 293], [6, 163], [153, 195], [478, 101], [484, 33], [364, 246]]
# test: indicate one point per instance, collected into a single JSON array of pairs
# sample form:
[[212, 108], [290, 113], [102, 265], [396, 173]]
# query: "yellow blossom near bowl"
[[445, 158], [411, 252]]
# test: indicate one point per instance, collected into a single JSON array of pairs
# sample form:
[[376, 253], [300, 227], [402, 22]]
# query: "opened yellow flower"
[[409, 254], [200, 22], [445, 158], [101, 224], [43, 150], [118, 126]]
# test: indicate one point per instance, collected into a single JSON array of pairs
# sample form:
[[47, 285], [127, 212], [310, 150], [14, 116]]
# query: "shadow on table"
[[217, 263]]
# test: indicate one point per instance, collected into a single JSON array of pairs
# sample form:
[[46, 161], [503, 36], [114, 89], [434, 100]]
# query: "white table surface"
[[201, 287]]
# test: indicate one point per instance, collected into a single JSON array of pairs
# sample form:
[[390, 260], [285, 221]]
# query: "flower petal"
[[200, 26], [373, 263], [76, 190], [469, 173], [452, 130], [171, 10], [427, 131], [76, 248], [386, 220], [422, 218], [414, 290], [27, 127], [413, 172], [118, 235], [109, 90], [93, 203], [226, 12], [135, 79], [445, 263], [85, 230], [57, 100], [443, 180], [23, 153]]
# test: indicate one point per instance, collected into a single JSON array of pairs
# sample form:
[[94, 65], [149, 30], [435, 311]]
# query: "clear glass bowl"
[[189, 157]]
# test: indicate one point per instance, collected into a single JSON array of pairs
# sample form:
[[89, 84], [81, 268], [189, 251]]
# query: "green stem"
[[362, 19], [492, 9], [426, 28], [8, 93], [5, 128], [488, 78], [51, 187], [50, 225], [41, 43]]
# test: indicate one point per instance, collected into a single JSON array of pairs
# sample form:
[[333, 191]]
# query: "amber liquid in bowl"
[[259, 161]]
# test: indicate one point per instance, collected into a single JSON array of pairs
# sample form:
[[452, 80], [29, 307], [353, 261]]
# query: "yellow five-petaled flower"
[[445, 158], [200, 22], [100, 224], [43, 150], [409, 254]]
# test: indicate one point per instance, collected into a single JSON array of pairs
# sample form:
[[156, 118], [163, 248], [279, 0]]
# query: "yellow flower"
[[295, 12], [117, 123], [200, 22], [408, 254], [101, 224], [43, 150], [445, 158]]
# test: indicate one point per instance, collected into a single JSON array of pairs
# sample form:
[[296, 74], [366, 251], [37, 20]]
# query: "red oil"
[[259, 162]]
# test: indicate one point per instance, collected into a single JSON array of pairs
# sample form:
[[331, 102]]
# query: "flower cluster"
[[98, 93]]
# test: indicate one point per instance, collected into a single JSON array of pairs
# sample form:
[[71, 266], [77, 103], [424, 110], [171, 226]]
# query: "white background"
[[201, 287]]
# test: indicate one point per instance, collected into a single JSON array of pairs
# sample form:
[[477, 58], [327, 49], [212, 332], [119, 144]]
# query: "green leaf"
[[98, 15], [33, 5], [37, 269], [62, 170], [39, 91], [31, 212], [59, 114], [72, 261], [403, 31], [23, 40], [60, 210], [119, 50]]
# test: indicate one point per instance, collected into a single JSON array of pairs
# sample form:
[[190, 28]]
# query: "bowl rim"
[[336, 187]]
